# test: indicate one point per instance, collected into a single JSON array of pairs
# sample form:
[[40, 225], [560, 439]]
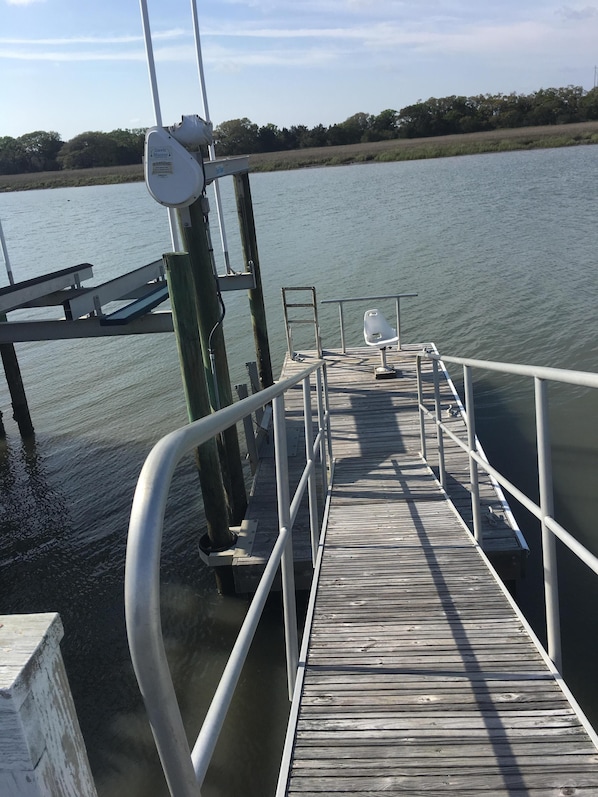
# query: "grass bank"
[[377, 151]]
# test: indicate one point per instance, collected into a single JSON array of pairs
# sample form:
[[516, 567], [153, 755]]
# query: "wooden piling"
[[18, 398], [256, 295], [184, 313], [196, 243]]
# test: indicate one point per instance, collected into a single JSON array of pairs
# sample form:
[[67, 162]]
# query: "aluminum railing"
[[341, 302], [544, 511], [185, 770]]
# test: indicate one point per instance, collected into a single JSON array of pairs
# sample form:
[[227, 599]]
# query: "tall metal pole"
[[211, 148], [149, 51]]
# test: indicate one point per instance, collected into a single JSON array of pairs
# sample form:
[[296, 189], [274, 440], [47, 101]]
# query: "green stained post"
[[194, 233], [256, 296], [184, 314]]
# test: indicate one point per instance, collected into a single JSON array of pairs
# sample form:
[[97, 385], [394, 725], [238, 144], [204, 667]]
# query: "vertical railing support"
[[398, 303], [321, 428], [284, 522], [342, 323], [311, 482], [327, 414], [422, 414], [439, 434], [551, 589], [471, 443]]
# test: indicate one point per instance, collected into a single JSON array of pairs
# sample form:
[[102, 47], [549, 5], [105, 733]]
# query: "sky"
[[72, 66]]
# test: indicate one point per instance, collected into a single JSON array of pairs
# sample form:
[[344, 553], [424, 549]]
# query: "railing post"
[[311, 483], [422, 414], [398, 302], [439, 434], [284, 522], [342, 323], [321, 428], [327, 414], [471, 442], [551, 588]]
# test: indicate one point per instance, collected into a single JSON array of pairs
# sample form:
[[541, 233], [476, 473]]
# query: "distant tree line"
[[434, 117], [45, 151]]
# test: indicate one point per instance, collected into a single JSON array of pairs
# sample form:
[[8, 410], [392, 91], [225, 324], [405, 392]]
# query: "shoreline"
[[522, 138]]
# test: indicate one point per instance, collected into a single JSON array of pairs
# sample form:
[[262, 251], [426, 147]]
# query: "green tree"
[[89, 150], [129, 145], [588, 105], [384, 126], [13, 157], [268, 138], [236, 137], [41, 149]]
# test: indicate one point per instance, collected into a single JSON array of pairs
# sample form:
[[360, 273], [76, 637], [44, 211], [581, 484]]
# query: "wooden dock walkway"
[[368, 417], [421, 677]]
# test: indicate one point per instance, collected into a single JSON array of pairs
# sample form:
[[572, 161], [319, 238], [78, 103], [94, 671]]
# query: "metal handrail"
[[396, 296], [545, 509], [185, 770]]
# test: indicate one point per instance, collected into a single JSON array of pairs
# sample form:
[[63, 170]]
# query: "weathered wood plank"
[[420, 678]]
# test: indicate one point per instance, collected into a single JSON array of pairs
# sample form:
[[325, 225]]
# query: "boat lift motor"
[[174, 173]]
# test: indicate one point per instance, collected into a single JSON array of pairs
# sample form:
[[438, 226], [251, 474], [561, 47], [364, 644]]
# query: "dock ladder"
[[310, 304]]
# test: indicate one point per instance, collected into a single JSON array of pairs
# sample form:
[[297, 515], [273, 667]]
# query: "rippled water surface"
[[501, 250]]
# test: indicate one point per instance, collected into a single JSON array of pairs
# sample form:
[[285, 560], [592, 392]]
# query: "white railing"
[[544, 511], [341, 317], [185, 770]]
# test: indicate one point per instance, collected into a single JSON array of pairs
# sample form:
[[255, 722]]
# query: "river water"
[[501, 251]]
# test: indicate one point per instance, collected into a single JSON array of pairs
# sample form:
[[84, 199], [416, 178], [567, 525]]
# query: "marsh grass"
[[378, 151]]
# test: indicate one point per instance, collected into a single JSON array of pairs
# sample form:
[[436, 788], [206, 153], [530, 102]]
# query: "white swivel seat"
[[378, 333]]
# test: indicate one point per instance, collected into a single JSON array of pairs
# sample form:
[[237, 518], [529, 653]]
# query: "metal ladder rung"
[[290, 321]]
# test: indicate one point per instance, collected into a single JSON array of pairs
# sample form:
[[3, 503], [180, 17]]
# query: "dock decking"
[[369, 417], [420, 677]]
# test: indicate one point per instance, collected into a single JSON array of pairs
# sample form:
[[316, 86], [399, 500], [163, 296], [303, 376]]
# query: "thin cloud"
[[167, 34], [588, 12], [40, 55]]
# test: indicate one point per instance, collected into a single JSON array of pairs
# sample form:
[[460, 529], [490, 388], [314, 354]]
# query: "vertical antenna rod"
[[211, 148], [149, 51]]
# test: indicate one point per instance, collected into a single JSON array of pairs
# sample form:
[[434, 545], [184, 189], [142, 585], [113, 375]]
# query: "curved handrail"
[[142, 581]]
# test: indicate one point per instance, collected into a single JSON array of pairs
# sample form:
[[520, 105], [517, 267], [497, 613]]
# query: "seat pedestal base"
[[382, 372]]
